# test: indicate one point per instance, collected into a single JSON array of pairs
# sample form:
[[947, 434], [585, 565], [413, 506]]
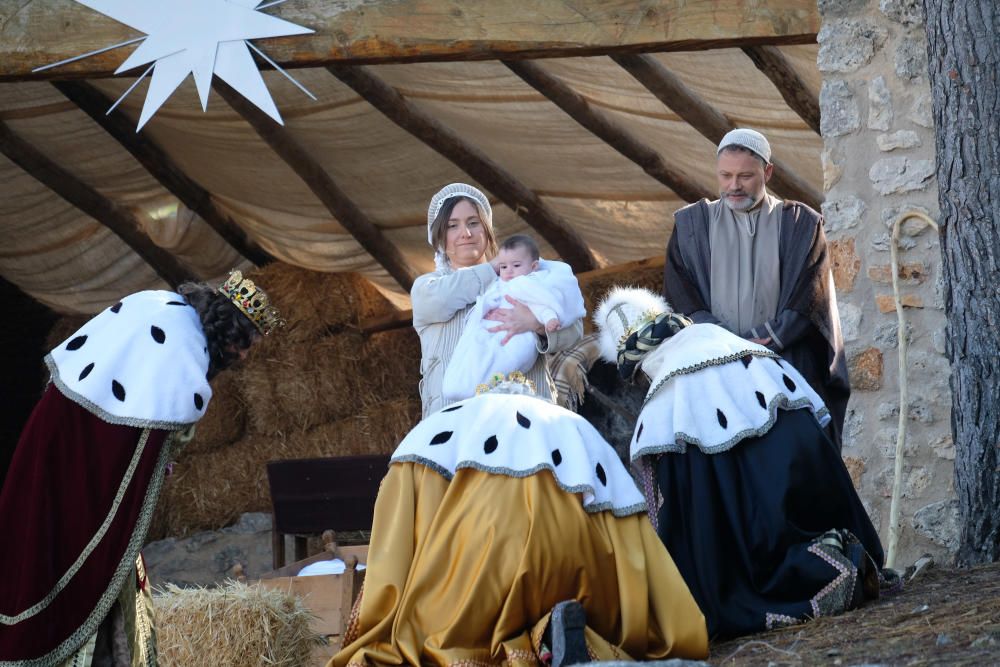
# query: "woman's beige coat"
[[441, 300]]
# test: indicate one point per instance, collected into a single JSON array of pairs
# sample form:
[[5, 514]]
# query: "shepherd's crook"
[[901, 338]]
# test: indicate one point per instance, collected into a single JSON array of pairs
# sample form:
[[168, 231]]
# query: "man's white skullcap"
[[749, 139]]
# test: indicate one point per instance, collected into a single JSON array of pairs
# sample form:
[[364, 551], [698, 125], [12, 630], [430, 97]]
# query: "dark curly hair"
[[227, 330]]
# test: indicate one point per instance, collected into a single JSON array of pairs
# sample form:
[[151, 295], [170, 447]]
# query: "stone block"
[[916, 482], [939, 341], [886, 303], [840, 8], [883, 482], [850, 321], [922, 112], [913, 273], [208, 557], [833, 169], [893, 175], [853, 424], [845, 263], [880, 242], [839, 113], [879, 105], [887, 334], [856, 468], [907, 12], [865, 370], [847, 44], [885, 443], [900, 139], [939, 522], [943, 447], [842, 214], [887, 411], [911, 57], [920, 411], [912, 226]]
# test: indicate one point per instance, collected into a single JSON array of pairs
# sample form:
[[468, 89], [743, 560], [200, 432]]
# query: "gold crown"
[[252, 302], [645, 318], [515, 383]]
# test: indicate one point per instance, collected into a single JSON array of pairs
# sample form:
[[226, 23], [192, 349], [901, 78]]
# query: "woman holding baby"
[[460, 229], [507, 531]]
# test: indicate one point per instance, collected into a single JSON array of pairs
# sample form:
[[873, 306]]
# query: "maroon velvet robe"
[[60, 489]]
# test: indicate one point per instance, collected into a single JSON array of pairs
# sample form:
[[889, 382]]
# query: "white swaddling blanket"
[[552, 291]]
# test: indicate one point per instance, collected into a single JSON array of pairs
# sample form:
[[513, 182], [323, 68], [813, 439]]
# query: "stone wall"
[[878, 161]]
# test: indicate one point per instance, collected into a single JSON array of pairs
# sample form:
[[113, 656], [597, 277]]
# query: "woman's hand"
[[518, 319]]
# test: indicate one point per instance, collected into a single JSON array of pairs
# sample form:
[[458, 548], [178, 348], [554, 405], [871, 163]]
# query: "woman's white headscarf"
[[441, 262]]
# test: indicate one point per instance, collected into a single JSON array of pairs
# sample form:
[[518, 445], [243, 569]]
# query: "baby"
[[548, 288]]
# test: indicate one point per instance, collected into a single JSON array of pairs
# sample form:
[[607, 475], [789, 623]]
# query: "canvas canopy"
[[74, 263]]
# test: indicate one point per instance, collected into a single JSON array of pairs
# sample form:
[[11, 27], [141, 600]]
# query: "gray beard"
[[742, 208]]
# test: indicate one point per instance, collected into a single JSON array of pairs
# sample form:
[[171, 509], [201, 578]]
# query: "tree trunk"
[[964, 65]]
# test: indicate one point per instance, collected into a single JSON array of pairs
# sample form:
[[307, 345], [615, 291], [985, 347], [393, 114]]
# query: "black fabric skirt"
[[744, 528]]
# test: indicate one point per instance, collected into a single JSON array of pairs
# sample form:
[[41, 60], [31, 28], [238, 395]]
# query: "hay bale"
[[377, 430], [234, 624], [225, 419], [210, 490], [293, 386], [313, 302], [390, 366]]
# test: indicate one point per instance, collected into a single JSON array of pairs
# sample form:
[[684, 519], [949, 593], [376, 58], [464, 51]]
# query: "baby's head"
[[518, 256]]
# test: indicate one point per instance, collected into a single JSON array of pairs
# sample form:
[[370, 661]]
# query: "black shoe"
[[569, 647]]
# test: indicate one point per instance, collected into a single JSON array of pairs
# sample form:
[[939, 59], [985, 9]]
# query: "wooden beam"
[[116, 218], [38, 33], [122, 129], [616, 136], [404, 318], [708, 120], [561, 236], [793, 89], [367, 234]]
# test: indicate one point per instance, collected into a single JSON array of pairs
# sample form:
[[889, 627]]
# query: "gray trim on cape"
[[702, 365], [682, 440], [593, 508], [100, 412]]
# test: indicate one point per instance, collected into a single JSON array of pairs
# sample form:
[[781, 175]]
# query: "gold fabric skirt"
[[466, 573]]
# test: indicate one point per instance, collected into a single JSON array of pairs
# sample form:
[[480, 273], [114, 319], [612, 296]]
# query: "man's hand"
[[518, 319], [761, 341]]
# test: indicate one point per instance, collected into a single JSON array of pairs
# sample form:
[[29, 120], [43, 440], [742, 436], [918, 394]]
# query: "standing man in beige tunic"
[[759, 266]]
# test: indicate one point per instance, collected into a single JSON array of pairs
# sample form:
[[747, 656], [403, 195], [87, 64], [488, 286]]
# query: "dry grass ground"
[[945, 617]]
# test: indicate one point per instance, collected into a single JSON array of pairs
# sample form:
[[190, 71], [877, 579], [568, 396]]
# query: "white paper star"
[[198, 37]]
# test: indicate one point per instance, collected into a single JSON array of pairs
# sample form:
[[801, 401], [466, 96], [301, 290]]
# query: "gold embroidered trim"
[[89, 626], [89, 549]]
